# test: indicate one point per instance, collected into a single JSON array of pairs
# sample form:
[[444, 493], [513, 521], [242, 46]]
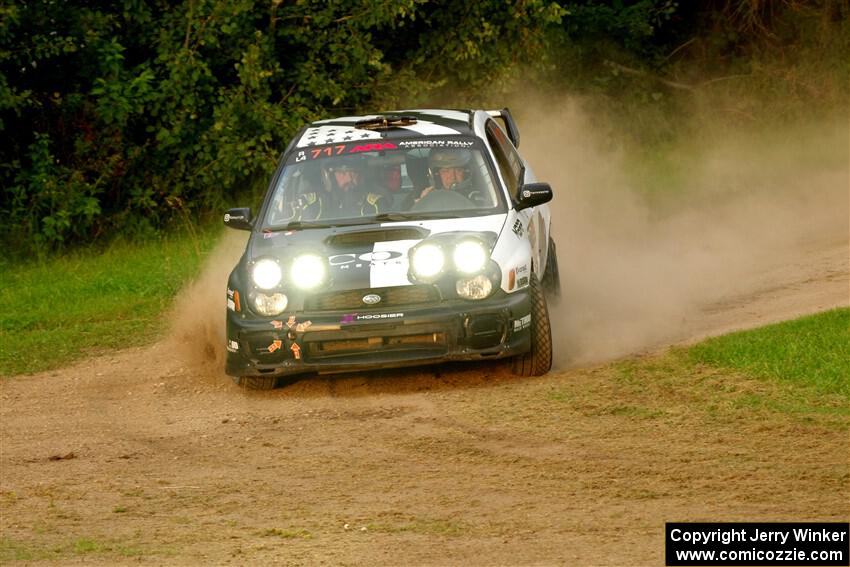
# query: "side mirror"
[[533, 194], [239, 219]]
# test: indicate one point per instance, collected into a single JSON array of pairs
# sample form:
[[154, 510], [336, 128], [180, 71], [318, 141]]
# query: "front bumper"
[[338, 341]]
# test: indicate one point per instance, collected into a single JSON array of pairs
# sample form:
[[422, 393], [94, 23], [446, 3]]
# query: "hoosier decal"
[[377, 316], [355, 317]]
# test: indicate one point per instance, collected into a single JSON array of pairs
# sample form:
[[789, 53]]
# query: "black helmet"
[[348, 163], [449, 158]]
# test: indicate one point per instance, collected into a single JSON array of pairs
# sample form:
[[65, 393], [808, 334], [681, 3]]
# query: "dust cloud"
[[639, 271], [197, 320]]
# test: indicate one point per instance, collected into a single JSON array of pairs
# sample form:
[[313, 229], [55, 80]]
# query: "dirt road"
[[151, 456], [144, 458]]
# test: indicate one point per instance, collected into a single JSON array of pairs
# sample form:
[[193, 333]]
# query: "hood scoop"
[[367, 237]]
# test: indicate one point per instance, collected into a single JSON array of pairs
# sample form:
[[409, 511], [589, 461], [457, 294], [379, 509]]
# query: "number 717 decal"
[[329, 151]]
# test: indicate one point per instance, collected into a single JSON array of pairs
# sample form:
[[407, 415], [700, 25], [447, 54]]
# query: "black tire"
[[257, 382], [551, 277], [538, 360]]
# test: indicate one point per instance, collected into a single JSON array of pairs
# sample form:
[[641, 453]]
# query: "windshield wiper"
[[390, 217], [384, 217], [296, 225]]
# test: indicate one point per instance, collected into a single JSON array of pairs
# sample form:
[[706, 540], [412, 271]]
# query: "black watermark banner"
[[751, 543]]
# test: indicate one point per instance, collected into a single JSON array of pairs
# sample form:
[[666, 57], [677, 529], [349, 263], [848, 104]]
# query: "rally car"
[[401, 238]]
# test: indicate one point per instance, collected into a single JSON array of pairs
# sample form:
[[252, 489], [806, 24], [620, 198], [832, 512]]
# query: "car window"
[[428, 177], [507, 158]]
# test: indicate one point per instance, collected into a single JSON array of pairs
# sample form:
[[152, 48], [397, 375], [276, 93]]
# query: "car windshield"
[[361, 182]]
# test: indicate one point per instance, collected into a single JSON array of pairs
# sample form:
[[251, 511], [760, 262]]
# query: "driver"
[[449, 171]]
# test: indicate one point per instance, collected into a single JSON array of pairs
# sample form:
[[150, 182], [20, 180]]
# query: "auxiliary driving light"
[[270, 305], [428, 261], [469, 257], [308, 271], [266, 274], [478, 287]]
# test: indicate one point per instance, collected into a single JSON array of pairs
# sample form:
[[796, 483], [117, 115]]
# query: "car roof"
[[428, 122]]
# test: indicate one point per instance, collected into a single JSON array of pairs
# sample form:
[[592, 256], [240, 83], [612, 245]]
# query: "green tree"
[[120, 117]]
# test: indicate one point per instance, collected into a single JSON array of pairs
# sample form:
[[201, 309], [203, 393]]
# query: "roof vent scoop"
[[385, 122]]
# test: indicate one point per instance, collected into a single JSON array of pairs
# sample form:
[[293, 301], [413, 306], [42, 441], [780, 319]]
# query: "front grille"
[[390, 297], [372, 344]]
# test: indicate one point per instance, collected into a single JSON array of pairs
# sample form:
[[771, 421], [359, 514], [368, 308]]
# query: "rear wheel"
[[551, 277], [538, 360], [257, 382]]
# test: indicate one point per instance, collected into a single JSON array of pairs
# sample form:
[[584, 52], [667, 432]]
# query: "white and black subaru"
[[402, 238]]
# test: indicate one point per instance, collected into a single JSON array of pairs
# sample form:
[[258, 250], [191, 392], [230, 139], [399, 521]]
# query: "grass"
[[85, 545], [812, 351], [797, 370], [12, 550], [63, 309]]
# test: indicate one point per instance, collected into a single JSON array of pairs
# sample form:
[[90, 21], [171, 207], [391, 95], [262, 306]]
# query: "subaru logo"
[[371, 299]]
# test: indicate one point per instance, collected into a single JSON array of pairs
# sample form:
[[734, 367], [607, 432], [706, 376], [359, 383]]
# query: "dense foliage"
[[662, 69], [119, 116], [123, 116]]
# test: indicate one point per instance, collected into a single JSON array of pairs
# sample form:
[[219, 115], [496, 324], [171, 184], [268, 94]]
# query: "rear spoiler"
[[508, 121]]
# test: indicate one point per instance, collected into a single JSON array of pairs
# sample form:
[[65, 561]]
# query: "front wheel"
[[257, 382], [538, 360]]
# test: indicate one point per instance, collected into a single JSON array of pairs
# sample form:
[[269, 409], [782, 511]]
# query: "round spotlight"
[[266, 274], [308, 271], [270, 305], [428, 261], [477, 287], [469, 257]]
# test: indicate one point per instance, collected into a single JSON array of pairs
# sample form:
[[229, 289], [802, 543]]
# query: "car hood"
[[364, 256]]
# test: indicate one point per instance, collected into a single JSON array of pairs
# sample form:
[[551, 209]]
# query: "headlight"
[[427, 261], [270, 305], [266, 274], [470, 257], [308, 271], [478, 287]]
